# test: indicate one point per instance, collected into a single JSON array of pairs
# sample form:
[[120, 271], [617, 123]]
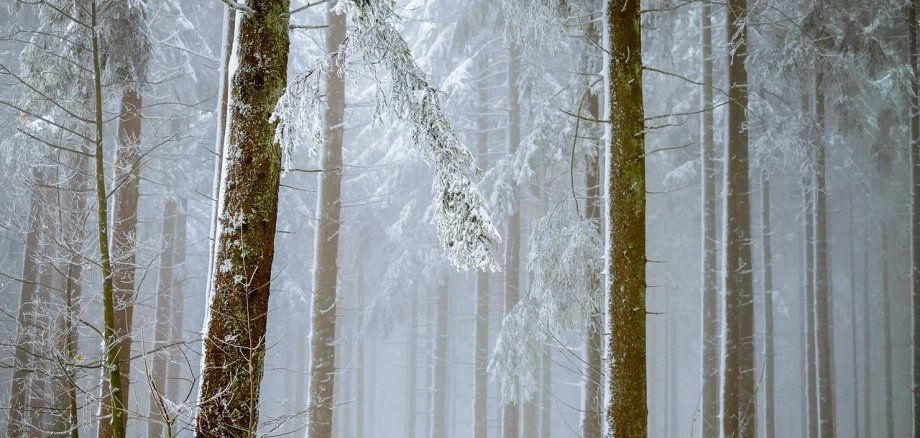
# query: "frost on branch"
[[465, 230], [517, 353]]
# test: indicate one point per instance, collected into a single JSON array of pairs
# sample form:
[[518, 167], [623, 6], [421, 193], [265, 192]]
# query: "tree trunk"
[[174, 379], [627, 413], [811, 364], [854, 333], [157, 374], [867, 341], [886, 319], [593, 403], [412, 366], [510, 410], [325, 271], [546, 414], [360, 368], [823, 308], [915, 211], [439, 382], [23, 356], [766, 234], [739, 396], [234, 347], [481, 351], [710, 300], [124, 241]]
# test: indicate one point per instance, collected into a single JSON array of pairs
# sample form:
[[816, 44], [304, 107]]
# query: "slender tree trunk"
[[22, 367], [823, 308], [627, 413], [915, 211], [766, 234], [811, 369], [325, 271], [157, 376], [481, 352], [124, 241], [234, 347], [546, 413], [867, 341], [886, 298], [592, 416], [439, 382], [360, 368], [42, 387], [710, 302], [739, 395], [854, 333], [174, 380], [412, 366], [114, 400], [510, 410]]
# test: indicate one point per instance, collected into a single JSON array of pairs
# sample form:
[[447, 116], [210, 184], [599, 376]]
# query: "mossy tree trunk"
[[627, 413], [234, 346]]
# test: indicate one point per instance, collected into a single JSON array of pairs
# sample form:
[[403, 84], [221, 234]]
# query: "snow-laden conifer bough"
[[465, 230]]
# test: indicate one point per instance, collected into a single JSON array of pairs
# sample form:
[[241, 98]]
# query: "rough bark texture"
[[439, 382], [738, 391], [481, 351], [161, 335], [823, 315], [768, 370], [511, 411], [915, 211], [235, 342], [593, 403], [325, 268], [627, 413], [127, 172], [711, 323]]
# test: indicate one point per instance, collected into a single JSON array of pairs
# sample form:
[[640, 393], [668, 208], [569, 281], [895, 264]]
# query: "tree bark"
[[234, 347], [627, 413], [325, 271], [481, 351], [710, 296], [157, 373], [510, 410], [439, 382], [766, 235], [738, 392]]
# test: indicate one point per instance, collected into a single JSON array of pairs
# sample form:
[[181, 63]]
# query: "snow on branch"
[[465, 230]]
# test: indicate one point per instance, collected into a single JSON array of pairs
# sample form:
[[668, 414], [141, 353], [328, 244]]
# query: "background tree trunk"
[[235, 343], [867, 341], [481, 351], [412, 366], [593, 403], [325, 271], [886, 305], [627, 413], [854, 332], [811, 371], [766, 234], [510, 410], [175, 383], [915, 210], [162, 332], [439, 382]]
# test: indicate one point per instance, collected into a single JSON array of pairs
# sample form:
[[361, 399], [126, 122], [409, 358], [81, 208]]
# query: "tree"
[[158, 415], [627, 412], [768, 333], [481, 349], [439, 379], [915, 206], [234, 344]]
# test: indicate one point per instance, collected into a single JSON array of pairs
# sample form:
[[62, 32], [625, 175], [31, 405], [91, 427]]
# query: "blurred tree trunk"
[[174, 379], [23, 356], [360, 368], [124, 242], [511, 411], [627, 414], [710, 299], [234, 346], [766, 236], [739, 396], [325, 272], [481, 352], [811, 364], [412, 366], [886, 319], [593, 403], [867, 340], [546, 413], [915, 210], [854, 332], [439, 382], [162, 332], [823, 308]]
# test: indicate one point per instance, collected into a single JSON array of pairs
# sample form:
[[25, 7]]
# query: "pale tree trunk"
[[915, 211], [42, 388], [710, 294], [510, 410], [854, 333], [412, 366], [886, 319], [810, 366], [157, 415], [867, 341], [23, 356], [546, 413], [325, 268], [823, 316], [738, 392], [481, 349], [234, 345], [439, 382], [360, 367], [768, 352], [176, 385], [124, 242], [592, 404], [627, 413]]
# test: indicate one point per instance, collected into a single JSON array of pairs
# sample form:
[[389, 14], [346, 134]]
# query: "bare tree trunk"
[[124, 241], [867, 340], [811, 368], [481, 352], [739, 395], [360, 368], [42, 387], [234, 347], [412, 366], [546, 414], [439, 382], [325, 271], [23, 356], [174, 379], [510, 410], [627, 413], [766, 234], [854, 333], [710, 300], [823, 316], [593, 402], [915, 211], [157, 374], [886, 304]]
